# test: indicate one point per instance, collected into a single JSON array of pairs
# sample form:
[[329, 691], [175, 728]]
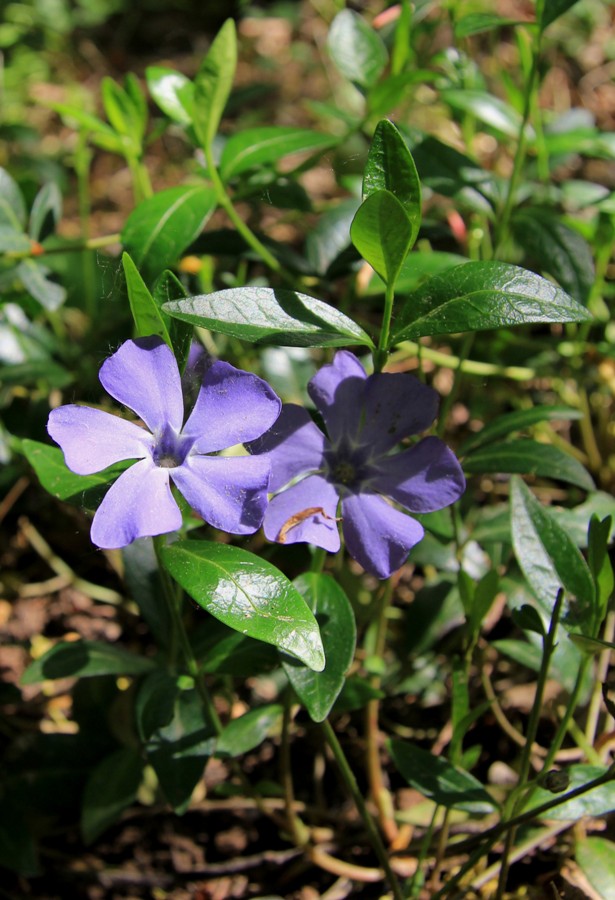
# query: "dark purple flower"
[[365, 417], [231, 407]]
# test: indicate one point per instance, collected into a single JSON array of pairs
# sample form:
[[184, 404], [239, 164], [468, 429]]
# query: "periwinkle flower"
[[353, 468], [231, 407]]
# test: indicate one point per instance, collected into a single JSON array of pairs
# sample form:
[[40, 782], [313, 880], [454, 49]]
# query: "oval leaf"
[[355, 48], [248, 594], [440, 781], [547, 556], [596, 802], [173, 92], [57, 478], [481, 295], [318, 691], [145, 313], [527, 457], [85, 659], [382, 233], [110, 789], [390, 167], [213, 83], [596, 857], [264, 146], [250, 730], [271, 315], [489, 110], [160, 228]]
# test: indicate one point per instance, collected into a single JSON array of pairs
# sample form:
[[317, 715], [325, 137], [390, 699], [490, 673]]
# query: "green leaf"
[[527, 457], [102, 134], [318, 691], [596, 858], [481, 295], [547, 556], [12, 206], [85, 659], [478, 23], [248, 594], [382, 233], [596, 802], [356, 50], [48, 293], [173, 93], [451, 173], [250, 730], [158, 231], [110, 789], [122, 114], [213, 83], [142, 578], [440, 781], [489, 110], [46, 211], [57, 478], [527, 618], [552, 10], [390, 167], [330, 236], [264, 146], [180, 739], [416, 269], [145, 312], [12, 241], [590, 645], [556, 249], [356, 694], [599, 562], [167, 288], [271, 315], [518, 420]]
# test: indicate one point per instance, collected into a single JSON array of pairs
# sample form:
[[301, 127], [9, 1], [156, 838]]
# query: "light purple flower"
[[365, 417], [231, 407]]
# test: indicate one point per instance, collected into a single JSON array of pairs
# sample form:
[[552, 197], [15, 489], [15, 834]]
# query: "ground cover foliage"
[[345, 271]]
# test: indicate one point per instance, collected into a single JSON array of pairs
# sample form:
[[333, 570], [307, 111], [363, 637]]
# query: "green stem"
[[357, 796], [227, 205], [74, 247], [382, 352], [410, 349], [450, 398], [503, 219], [515, 802]]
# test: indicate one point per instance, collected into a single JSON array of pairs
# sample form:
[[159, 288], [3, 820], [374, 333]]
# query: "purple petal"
[[395, 405], [294, 446], [423, 478], [229, 492], [232, 407], [93, 439], [305, 512], [337, 391], [378, 536], [143, 375], [139, 504]]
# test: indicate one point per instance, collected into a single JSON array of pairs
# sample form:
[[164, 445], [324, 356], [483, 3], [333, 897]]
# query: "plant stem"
[[381, 355], [298, 830], [353, 787], [468, 366], [450, 398]]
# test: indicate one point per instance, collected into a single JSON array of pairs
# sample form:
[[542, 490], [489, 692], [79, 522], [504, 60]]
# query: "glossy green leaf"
[[548, 557], [158, 231], [146, 315], [596, 802], [167, 288], [527, 457], [556, 249], [248, 594], [264, 146], [382, 233], [488, 109], [33, 275], [390, 167], [553, 9], [46, 211], [111, 788], [53, 473], [250, 730], [180, 738], [173, 93], [440, 781], [482, 295], [271, 315], [596, 858], [478, 23], [213, 83], [318, 691], [85, 659], [518, 420], [12, 206], [356, 50]]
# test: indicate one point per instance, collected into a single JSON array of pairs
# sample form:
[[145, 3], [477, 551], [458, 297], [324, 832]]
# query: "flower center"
[[343, 472], [170, 449]]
